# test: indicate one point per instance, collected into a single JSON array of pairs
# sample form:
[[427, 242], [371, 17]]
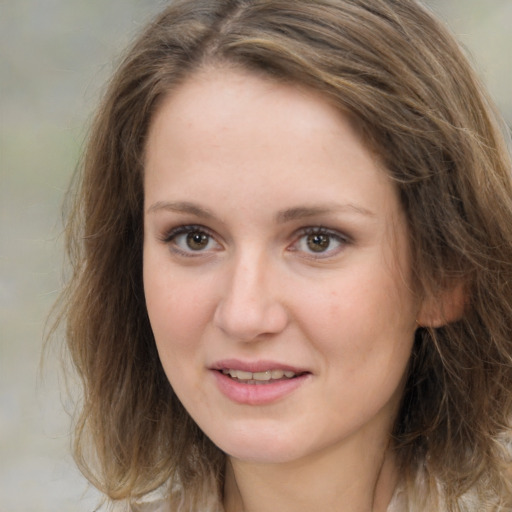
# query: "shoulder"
[[152, 506], [156, 506]]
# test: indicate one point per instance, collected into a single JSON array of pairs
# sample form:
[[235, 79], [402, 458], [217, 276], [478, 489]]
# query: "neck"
[[359, 476]]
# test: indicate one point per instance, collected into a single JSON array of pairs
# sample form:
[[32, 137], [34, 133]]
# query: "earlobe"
[[445, 308]]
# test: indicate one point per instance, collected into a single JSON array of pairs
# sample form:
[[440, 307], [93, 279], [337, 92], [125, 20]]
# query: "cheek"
[[177, 306], [177, 313], [366, 318]]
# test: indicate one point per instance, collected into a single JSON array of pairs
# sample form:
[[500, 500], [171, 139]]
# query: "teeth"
[[278, 374], [258, 376], [262, 375], [243, 375]]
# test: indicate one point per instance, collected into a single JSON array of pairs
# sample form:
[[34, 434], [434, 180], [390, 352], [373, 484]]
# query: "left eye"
[[190, 239], [320, 242], [197, 241]]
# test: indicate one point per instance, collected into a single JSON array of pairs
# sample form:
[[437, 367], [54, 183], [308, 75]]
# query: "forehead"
[[226, 130], [227, 96]]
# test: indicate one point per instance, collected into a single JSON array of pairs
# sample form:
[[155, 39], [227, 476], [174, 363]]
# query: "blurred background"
[[55, 56]]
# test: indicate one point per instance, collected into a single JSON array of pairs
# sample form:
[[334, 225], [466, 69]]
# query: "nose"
[[250, 308]]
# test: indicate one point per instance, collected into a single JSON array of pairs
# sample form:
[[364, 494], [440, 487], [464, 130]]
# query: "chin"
[[262, 455], [267, 447]]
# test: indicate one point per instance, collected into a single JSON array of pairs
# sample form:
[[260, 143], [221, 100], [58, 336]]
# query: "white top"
[[397, 505]]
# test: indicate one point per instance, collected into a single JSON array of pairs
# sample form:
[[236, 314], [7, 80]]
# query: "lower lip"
[[257, 394]]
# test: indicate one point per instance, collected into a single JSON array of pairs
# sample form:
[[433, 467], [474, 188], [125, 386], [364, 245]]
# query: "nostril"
[[248, 321]]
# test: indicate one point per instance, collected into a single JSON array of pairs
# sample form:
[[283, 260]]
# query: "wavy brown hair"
[[416, 102]]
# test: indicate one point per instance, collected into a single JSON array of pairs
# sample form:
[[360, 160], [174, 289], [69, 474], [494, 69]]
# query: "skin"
[[244, 180]]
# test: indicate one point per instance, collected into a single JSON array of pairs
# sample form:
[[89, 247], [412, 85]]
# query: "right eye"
[[191, 240]]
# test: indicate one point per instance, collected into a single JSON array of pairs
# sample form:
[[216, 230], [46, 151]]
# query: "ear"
[[444, 308]]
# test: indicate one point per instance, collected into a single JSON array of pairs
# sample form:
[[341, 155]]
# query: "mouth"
[[258, 382], [262, 377]]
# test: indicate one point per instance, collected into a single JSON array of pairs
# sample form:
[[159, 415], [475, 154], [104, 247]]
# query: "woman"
[[292, 252]]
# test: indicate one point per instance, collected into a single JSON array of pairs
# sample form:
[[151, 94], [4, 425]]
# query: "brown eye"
[[196, 240], [318, 242], [191, 241]]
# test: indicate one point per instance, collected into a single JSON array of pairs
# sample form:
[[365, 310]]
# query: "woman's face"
[[276, 268]]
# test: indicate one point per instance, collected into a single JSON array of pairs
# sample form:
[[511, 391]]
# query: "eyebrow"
[[304, 212], [288, 215], [181, 207]]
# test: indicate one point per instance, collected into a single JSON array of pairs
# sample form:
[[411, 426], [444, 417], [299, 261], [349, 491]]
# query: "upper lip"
[[255, 366]]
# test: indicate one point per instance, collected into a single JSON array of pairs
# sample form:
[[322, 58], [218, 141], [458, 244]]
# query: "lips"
[[256, 366], [257, 383]]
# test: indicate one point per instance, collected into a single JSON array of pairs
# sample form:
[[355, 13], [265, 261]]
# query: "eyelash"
[[171, 236], [340, 238], [343, 240]]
